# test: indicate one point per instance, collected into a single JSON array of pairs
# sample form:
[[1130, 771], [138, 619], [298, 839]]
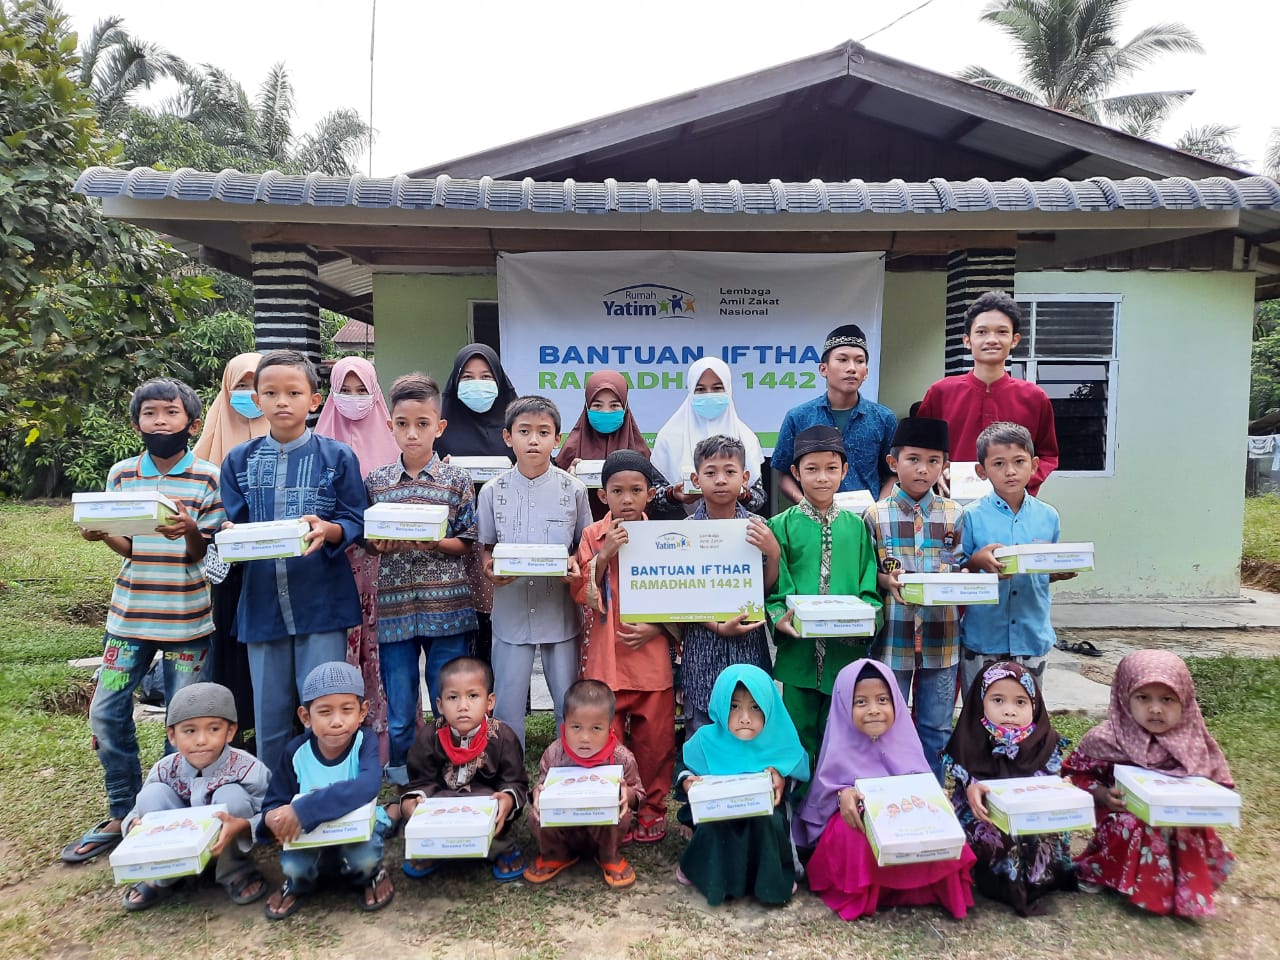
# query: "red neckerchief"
[[596, 759], [463, 755]]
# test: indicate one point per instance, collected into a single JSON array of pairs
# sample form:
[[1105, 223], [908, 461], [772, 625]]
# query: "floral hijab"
[[977, 752]]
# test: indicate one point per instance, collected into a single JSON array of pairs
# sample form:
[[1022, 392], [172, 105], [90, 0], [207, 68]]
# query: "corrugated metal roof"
[[1097, 194]]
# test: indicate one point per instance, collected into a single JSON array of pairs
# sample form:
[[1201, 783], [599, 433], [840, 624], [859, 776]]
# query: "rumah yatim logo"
[[671, 541], [648, 300]]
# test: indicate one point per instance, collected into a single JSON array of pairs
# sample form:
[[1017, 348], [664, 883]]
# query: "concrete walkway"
[[1253, 609]]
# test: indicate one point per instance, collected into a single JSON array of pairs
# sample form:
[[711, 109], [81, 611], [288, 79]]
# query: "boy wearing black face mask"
[[160, 603]]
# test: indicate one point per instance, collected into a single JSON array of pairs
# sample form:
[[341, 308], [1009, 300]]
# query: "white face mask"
[[354, 406]]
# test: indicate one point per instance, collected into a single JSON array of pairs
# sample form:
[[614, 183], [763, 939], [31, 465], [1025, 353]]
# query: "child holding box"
[[1017, 629], [633, 659], [749, 732], [1004, 731], [587, 739], [1154, 722], [424, 595], [160, 602], [533, 502], [294, 613], [205, 769], [327, 772], [916, 531], [824, 550]]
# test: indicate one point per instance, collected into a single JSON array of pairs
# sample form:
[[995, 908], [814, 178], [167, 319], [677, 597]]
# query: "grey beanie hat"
[[336, 676], [201, 700]]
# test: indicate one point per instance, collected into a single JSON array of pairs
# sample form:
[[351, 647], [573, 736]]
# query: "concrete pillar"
[[286, 307], [971, 273]]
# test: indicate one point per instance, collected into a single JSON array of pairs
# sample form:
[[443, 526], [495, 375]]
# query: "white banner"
[[650, 314]]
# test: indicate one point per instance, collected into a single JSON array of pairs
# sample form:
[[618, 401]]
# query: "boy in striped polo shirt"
[[160, 603]]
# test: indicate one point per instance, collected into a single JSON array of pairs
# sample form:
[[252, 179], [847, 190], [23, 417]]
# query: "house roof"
[[354, 333]]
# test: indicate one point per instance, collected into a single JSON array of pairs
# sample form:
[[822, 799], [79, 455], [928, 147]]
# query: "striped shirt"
[[922, 537], [159, 595]]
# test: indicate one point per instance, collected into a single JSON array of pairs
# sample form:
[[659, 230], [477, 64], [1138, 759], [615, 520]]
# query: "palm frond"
[[1271, 158], [103, 35], [985, 78], [1136, 110], [274, 107], [1212, 141], [335, 144]]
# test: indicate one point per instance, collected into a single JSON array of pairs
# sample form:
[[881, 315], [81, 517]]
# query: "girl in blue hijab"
[[750, 732]]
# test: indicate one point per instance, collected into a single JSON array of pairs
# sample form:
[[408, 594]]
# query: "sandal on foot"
[[682, 879], [237, 888], [509, 866], [418, 868], [1084, 648], [542, 870], [287, 891], [148, 895], [102, 840], [371, 886], [617, 874], [628, 837], [650, 830]]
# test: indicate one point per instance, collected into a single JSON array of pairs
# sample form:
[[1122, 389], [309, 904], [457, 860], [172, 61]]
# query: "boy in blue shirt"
[[325, 773], [294, 613], [1018, 628]]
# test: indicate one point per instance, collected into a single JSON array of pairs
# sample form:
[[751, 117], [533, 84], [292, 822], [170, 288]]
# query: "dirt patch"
[[1115, 645], [1260, 574]]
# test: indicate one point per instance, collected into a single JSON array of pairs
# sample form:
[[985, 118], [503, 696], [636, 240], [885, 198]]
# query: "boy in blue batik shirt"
[[1018, 629], [294, 613]]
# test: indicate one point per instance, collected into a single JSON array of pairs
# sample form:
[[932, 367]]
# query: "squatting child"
[[586, 740]]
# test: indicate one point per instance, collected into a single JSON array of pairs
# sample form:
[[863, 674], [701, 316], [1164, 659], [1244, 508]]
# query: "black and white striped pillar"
[[971, 273], [286, 306]]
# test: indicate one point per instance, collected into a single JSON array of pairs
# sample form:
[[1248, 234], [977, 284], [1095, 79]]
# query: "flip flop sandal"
[[618, 874], [1085, 649], [628, 837], [503, 869], [372, 885], [236, 887], [104, 839], [681, 878], [425, 869], [287, 889], [543, 870], [149, 894], [651, 830]]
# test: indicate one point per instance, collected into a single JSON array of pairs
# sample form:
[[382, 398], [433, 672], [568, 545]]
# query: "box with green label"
[[589, 472], [1027, 805], [949, 589], [530, 559], [482, 469], [263, 540], [908, 819], [165, 844], [406, 521], [353, 827], [132, 513], [581, 796], [832, 616], [1046, 557], [451, 827], [1164, 800], [731, 797]]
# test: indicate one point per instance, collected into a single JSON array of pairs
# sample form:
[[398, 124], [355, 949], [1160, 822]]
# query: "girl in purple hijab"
[[863, 740]]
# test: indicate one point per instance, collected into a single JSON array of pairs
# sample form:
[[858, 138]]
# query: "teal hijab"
[[714, 751]]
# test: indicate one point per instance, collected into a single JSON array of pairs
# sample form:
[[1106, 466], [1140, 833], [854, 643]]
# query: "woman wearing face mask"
[[233, 418], [356, 414], [606, 425], [706, 411]]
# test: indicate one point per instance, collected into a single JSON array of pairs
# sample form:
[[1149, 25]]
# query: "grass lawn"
[[1262, 528], [53, 592]]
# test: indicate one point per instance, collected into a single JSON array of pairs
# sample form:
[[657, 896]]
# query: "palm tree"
[[114, 64], [1212, 141], [1071, 59], [1271, 160]]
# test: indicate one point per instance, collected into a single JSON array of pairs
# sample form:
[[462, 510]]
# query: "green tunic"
[[853, 573]]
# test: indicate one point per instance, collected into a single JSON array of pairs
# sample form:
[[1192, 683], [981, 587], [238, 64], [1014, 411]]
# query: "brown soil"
[[1260, 574]]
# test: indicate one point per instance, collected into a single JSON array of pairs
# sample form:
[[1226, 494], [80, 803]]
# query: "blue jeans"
[[402, 682], [278, 669], [935, 709], [124, 663], [358, 862]]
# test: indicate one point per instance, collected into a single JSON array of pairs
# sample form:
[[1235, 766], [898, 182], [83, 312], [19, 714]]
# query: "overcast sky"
[[454, 79]]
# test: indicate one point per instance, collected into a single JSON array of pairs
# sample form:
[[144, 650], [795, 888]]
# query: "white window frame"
[[1031, 363]]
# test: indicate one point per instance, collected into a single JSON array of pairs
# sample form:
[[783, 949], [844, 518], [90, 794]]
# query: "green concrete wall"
[[1169, 522], [421, 320], [913, 337]]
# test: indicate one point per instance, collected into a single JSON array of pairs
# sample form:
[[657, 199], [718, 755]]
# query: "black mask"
[[162, 446]]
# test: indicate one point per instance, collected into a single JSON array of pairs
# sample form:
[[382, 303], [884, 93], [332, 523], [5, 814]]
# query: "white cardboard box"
[[1163, 800], [581, 796], [855, 501], [1046, 558], [354, 827], [949, 589], [449, 827], [482, 469], [966, 485], [732, 797], [909, 820], [264, 540], [530, 559], [1025, 805], [406, 521], [167, 843], [588, 471], [832, 616], [132, 513]]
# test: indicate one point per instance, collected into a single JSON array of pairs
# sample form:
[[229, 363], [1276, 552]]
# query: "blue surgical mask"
[[606, 421], [710, 405], [242, 403], [478, 395]]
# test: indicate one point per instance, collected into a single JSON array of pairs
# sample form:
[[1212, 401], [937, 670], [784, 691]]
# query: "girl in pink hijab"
[[356, 414], [1154, 722]]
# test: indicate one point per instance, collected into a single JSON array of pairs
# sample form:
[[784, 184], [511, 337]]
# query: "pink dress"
[[844, 873], [362, 643]]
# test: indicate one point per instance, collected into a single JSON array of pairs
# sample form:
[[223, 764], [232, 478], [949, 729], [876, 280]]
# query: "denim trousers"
[[357, 862], [935, 705], [402, 681]]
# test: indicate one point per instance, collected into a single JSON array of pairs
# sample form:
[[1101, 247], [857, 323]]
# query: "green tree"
[[1271, 161], [1213, 142], [114, 65]]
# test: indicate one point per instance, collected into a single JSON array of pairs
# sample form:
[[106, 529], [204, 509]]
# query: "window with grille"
[[1068, 347]]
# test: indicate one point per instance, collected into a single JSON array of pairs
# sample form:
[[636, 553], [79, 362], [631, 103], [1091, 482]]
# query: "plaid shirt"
[[923, 537]]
